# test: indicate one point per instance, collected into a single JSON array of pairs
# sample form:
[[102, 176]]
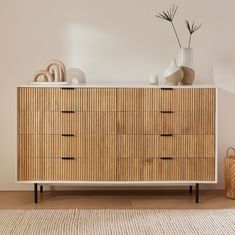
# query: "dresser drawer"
[[165, 123], [166, 146], [138, 99], [101, 99], [70, 146], [36, 122], [197, 123], [57, 169], [189, 100], [156, 169], [58, 99], [52, 99], [166, 99]]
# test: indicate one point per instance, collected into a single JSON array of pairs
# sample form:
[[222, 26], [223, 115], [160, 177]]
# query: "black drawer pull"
[[67, 135], [67, 111], [167, 135], [167, 89], [166, 158], [67, 88], [67, 158], [167, 111]]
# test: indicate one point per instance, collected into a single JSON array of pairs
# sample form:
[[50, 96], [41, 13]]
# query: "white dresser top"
[[118, 85]]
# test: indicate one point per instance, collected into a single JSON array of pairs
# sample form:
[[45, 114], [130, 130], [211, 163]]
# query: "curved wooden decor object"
[[56, 73], [47, 76], [60, 65], [189, 75]]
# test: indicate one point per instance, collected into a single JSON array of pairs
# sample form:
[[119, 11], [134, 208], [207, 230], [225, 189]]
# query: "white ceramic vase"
[[186, 64], [173, 74]]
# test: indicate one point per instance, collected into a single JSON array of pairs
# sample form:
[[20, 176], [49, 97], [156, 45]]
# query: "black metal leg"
[[35, 193], [41, 188], [197, 193], [190, 188]]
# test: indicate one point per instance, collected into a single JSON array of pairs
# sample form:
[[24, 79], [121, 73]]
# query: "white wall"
[[111, 41]]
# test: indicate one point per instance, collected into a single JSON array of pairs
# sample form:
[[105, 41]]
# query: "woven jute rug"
[[122, 222]]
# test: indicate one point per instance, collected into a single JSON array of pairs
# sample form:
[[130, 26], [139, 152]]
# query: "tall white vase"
[[186, 64]]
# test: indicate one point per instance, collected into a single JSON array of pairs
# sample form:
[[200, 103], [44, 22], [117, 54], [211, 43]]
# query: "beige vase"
[[175, 78], [189, 76]]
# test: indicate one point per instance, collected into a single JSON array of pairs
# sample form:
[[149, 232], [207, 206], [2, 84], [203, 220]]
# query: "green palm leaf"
[[169, 16], [192, 28]]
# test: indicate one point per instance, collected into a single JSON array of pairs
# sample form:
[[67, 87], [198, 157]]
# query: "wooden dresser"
[[117, 134]]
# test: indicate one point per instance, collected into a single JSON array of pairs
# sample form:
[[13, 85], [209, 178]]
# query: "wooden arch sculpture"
[[57, 69], [47, 76]]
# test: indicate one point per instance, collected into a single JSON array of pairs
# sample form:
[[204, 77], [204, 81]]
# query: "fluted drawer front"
[[101, 99], [58, 99], [189, 100], [37, 122], [166, 146], [156, 169], [138, 99], [57, 169], [63, 145], [157, 99], [52, 99], [171, 123]]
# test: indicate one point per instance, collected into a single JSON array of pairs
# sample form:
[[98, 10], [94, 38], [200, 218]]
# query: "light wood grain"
[[52, 99], [176, 169], [73, 146], [45, 115], [102, 99], [166, 146], [58, 99], [82, 123], [77, 169], [152, 99], [115, 134], [116, 198], [190, 123], [188, 100]]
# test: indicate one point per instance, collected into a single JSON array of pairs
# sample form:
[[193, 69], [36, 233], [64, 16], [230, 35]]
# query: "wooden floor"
[[115, 200]]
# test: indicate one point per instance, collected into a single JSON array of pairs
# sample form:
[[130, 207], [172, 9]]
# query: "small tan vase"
[[175, 78], [189, 76]]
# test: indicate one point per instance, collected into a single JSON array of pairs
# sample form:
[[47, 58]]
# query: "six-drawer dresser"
[[118, 135]]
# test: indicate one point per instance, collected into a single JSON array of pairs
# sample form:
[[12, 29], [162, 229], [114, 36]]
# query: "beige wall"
[[111, 41]]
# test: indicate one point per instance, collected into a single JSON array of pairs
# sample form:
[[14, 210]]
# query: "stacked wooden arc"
[[55, 72]]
